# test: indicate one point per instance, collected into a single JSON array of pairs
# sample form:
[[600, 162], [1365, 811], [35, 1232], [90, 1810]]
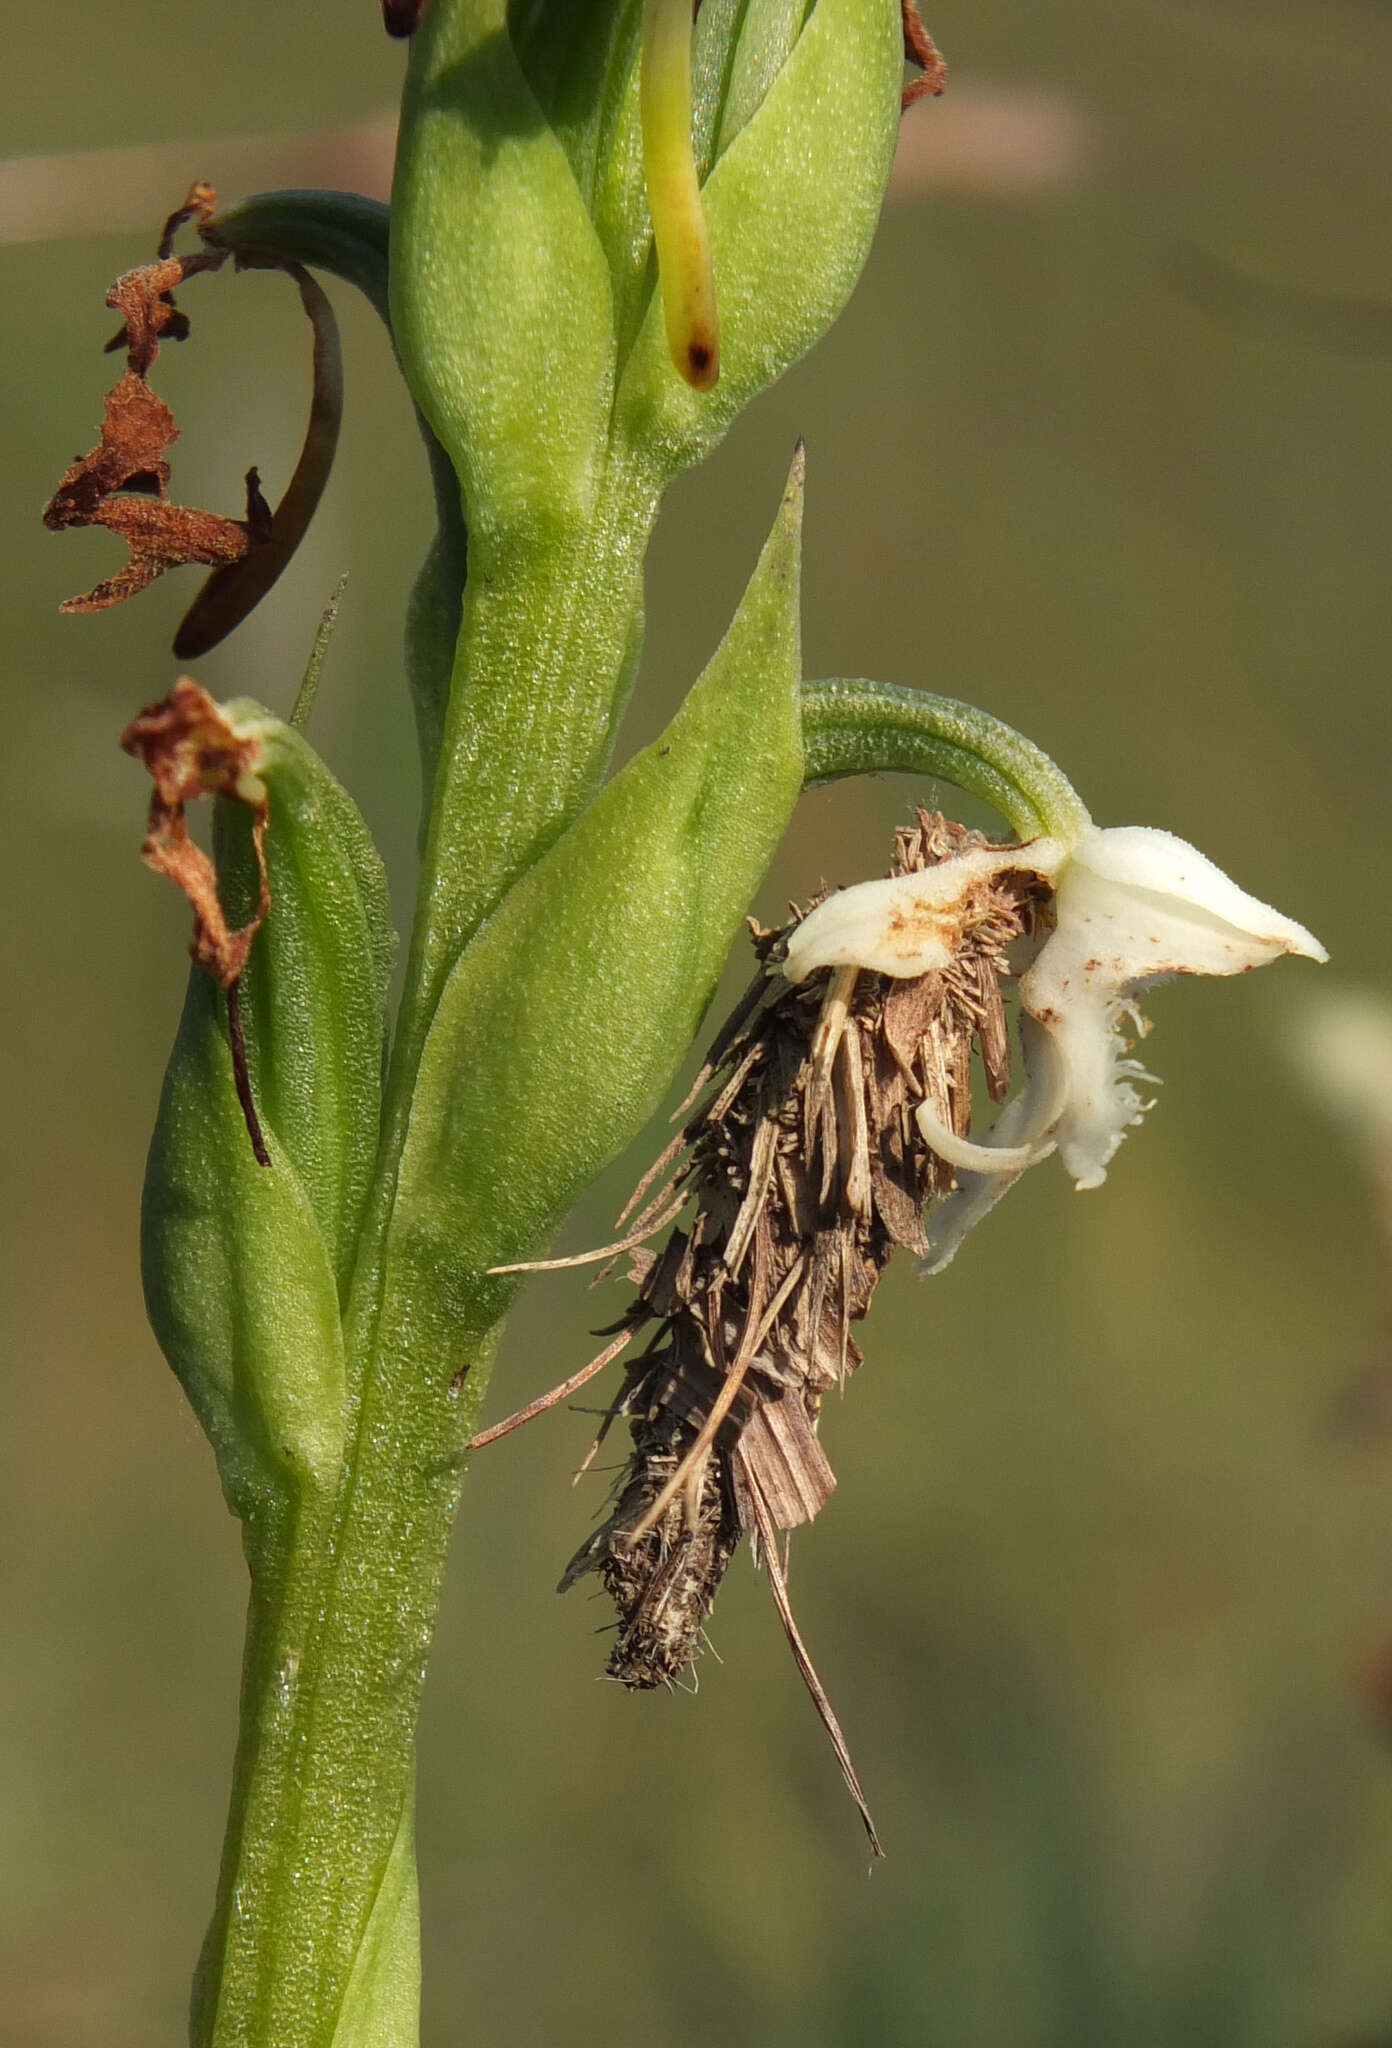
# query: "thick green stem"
[[315, 1939], [233, 1990]]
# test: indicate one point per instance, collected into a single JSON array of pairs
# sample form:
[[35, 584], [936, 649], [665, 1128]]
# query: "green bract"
[[238, 1280], [244, 1264], [314, 993], [524, 286], [792, 199], [500, 292]]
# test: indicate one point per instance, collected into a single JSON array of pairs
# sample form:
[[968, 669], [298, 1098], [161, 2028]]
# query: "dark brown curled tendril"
[[231, 592], [123, 483]]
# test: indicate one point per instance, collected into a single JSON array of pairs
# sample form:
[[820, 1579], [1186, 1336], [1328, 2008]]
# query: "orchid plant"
[[610, 230]]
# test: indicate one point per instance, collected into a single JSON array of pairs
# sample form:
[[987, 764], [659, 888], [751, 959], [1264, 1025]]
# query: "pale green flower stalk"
[[333, 1313]]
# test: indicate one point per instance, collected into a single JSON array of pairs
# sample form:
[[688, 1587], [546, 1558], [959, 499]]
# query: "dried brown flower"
[[807, 1172], [191, 749], [921, 50], [123, 483]]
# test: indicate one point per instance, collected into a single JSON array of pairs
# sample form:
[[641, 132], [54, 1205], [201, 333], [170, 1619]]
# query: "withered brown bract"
[[806, 1170], [123, 483]]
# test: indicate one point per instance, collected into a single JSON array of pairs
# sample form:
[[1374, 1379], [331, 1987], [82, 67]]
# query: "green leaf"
[[238, 1283], [500, 291], [791, 206], [381, 2006], [739, 49], [314, 992], [564, 1021], [243, 1262], [582, 64]]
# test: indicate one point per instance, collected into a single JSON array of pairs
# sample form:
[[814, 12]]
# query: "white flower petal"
[[1132, 906], [1164, 896], [909, 924], [1021, 1135], [953, 1218]]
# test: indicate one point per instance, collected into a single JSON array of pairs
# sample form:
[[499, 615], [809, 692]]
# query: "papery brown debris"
[[145, 297], [123, 484], [920, 49], [807, 1171], [191, 750]]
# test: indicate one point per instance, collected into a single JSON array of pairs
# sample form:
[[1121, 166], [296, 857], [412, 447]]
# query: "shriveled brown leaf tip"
[[921, 51], [123, 483], [192, 750]]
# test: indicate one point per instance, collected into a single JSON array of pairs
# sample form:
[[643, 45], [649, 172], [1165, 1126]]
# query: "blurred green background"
[[1104, 443]]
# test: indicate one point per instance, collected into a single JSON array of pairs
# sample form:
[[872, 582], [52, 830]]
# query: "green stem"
[[863, 728], [315, 1940], [548, 646], [232, 1991], [316, 1919]]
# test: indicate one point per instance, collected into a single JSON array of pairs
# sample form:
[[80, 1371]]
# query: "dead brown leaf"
[[123, 483], [920, 49], [191, 750]]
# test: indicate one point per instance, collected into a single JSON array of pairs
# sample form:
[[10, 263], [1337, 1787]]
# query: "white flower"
[[1131, 907]]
